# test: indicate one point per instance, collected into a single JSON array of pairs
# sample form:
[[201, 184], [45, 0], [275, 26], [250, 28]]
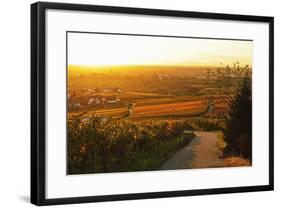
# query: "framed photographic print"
[[134, 103]]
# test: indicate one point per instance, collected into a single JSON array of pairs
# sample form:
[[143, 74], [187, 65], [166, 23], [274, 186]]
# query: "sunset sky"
[[104, 50]]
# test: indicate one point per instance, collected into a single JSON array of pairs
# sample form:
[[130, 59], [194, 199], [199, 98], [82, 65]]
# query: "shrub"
[[238, 130]]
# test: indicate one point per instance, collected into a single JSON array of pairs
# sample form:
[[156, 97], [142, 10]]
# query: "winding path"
[[201, 152]]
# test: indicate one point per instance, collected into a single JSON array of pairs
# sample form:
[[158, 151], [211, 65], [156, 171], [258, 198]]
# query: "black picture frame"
[[38, 102]]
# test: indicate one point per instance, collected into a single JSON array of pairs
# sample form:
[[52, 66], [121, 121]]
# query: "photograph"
[[173, 102], [141, 102]]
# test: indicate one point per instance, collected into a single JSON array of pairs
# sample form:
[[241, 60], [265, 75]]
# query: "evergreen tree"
[[238, 130]]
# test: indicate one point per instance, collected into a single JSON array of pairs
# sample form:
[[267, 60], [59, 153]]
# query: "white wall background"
[[15, 102]]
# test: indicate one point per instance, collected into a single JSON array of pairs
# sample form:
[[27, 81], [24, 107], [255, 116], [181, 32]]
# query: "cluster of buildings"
[[93, 97]]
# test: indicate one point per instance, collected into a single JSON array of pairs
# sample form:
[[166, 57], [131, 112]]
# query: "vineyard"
[[150, 110], [120, 121], [190, 108], [96, 145]]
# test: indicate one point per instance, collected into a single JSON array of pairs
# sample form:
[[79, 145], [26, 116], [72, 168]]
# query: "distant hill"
[[137, 70]]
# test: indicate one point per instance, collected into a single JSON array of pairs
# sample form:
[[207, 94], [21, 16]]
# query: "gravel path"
[[201, 152]]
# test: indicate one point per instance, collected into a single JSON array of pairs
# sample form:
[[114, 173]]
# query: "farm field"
[[141, 125], [177, 94], [153, 108]]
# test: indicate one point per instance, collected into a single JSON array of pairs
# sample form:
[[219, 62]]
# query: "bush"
[[238, 130]]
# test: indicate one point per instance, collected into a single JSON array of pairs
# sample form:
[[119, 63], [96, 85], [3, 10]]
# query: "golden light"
[[105, 50]]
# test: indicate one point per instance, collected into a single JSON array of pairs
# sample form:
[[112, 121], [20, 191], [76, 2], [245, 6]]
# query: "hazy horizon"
[[105, 50]]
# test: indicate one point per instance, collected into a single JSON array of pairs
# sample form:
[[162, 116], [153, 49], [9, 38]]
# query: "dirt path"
[[202, 152]]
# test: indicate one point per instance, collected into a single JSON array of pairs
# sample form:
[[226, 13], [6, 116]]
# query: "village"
[[95, 97]]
